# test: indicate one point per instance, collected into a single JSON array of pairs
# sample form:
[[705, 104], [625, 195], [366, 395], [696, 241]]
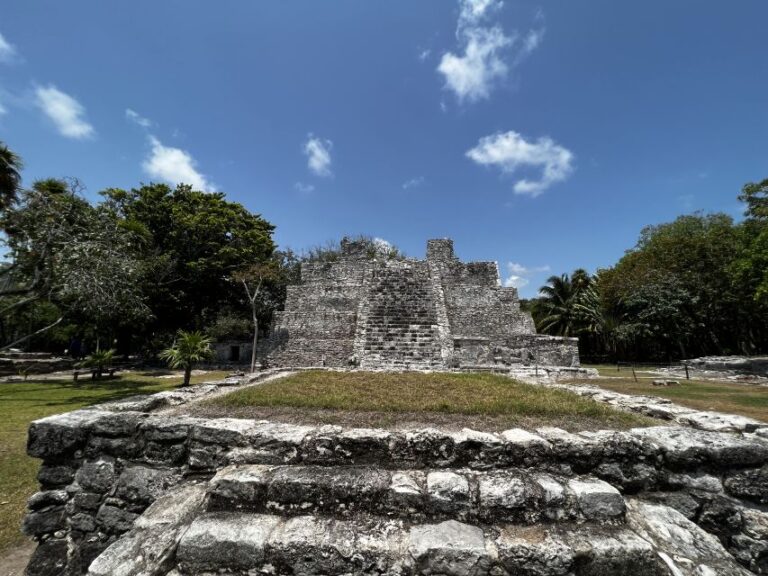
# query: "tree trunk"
[[28, 336], [187, 374], [255, 343]]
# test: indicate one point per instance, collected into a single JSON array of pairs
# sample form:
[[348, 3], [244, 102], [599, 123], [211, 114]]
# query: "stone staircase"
[[368, 520], [401, 328]]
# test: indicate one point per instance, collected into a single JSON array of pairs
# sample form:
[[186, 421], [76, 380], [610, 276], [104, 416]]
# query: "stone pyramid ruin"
[[437, 313]]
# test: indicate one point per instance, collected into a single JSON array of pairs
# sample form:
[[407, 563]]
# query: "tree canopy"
[[696, 285]]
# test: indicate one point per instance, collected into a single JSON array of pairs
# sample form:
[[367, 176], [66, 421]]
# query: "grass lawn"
[[22, 402], [386, 399], [721, 396]]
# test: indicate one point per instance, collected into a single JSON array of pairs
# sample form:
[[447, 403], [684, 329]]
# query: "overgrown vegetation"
[[691, 287]]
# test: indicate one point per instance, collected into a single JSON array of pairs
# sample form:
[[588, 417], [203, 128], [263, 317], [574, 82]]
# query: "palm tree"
[[189, 349], [10, 175], [99, 360], [556, 308]]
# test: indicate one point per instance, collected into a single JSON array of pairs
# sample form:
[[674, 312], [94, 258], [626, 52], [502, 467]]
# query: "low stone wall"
[[101, 469]]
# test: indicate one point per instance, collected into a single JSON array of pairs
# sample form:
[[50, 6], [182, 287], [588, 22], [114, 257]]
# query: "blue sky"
[[540, 134]]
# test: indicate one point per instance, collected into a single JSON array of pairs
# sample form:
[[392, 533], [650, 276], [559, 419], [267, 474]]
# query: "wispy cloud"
[[509, 152], [318, 153], [424, 54], [67, 114], [7, 50], [414, 183], [3, 110], [175, 166], [137, 118], [519, 276], [304, 188], [484, 51]]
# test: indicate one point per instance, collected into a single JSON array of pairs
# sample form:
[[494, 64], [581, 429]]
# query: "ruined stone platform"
[[436, 314], [131, 488]]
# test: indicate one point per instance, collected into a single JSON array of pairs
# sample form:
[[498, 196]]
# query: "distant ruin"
[[438, 313]]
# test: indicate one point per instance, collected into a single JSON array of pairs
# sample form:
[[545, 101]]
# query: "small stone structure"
[[129, 490], [436, 313], [232, 352]]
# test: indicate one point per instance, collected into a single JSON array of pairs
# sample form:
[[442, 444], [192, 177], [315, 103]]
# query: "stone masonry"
[[436, 313], [131, 489]]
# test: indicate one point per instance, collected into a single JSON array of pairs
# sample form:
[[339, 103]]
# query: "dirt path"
[[14, 560]]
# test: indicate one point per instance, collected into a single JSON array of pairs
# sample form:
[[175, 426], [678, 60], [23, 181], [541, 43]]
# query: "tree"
[[99, 360], [755, 196], [71, 254], [555, 310], [188, 349], [192, 243], [10, 176], [253, 280]]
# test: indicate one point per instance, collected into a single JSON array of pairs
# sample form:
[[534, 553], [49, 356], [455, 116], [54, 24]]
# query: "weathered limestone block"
[[449, 548], [149, 549], [41, 500], [596, 499], [749, 484], [46, 521], [684, 548], [143, 485], [61, 435], [532, 551], [97, 476], [448, 492], [220, 541], [49, 558]]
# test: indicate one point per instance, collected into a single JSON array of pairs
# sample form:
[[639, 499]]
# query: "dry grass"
[[721, 396], [484, 401]]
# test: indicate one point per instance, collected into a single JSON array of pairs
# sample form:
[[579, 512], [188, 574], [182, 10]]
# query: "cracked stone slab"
[[685, 549], [148, 549]]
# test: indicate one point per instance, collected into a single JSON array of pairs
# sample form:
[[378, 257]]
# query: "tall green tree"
[[72, 255], [555, 310], [193, 243], [10, 176]]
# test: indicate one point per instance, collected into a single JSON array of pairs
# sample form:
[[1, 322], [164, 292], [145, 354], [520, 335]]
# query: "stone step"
[[239, 543], [510, 495]]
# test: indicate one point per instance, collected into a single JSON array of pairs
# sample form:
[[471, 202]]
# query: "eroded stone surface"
[[686, 548]]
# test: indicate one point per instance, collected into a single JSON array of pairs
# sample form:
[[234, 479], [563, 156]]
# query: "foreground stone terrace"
[[143, 492]]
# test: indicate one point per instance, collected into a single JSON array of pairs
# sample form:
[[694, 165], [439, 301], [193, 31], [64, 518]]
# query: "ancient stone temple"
[[437, 313]]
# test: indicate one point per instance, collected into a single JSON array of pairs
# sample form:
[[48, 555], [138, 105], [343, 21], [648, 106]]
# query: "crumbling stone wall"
[[102, 468], [438, 313]]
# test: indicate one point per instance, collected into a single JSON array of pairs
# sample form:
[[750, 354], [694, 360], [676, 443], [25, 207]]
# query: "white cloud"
[[67, 114], [3, 110], [7, 50], [424, 54], [481, 60], [509, 151], [174, 166], [519, 276], [472, 75], [304, 188], [472, 11], [137, 118], [414, 183], [318, 152]]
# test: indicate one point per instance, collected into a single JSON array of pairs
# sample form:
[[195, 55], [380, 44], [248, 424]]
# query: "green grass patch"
[[720, 396], [22, 402], [473, 394]]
